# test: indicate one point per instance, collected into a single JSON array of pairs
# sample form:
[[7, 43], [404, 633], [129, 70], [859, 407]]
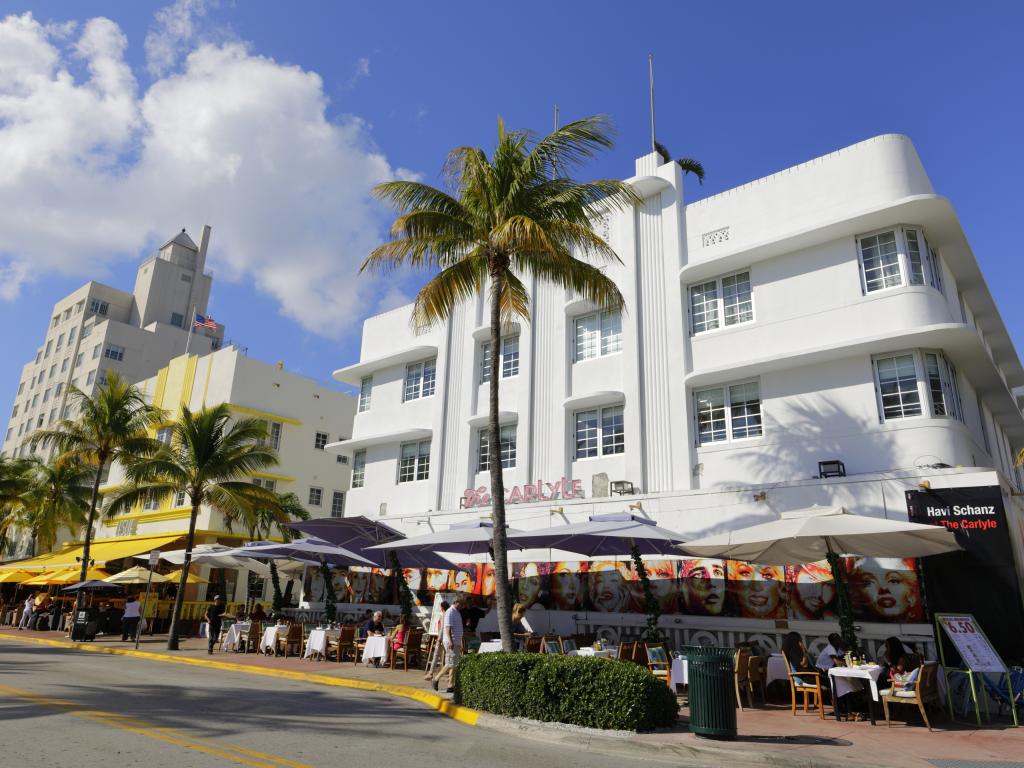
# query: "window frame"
[[602, 445], [365, 394], [114, 352], [508, 447], [358, 469], [601, 340], [729, 417], [336, 509], [317, 492], [928, 262], [320, 440], [720, 314], [420, 466], [415, 388], [948, 386], [509, 363]]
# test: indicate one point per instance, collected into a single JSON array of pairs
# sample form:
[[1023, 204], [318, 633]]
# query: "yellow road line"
[[235, 754], [436, 702]]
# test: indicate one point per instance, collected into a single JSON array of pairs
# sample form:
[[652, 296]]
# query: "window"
[[59, 388], [916, 384], [101, 378], [79, 358], [54, 321], [897, 387], [984, 429], [96, 351], [270, 485], [600, 432], [728, 413], [53, 371], [179, 499], [509, 359], [90, 378], [273, 438], [341, 459], [21, 387], [164, 435], [358, 469], [186, 278], [53, 416], [151, 505], [64, 364], [60, 342], [337, 504], [507, 437], [898, 257], [35, 399], [98, 307], [114, 352], [414, 462], [86, 330], [723, 301], [71, 336], [420, 379], [46, 395], [598, 334], [365, 392], [320, 440], [316, 496], [14, 411], [49, 346], [39, 355], [177, 319]]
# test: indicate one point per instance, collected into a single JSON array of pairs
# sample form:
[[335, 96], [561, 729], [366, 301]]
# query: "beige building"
[[98, 328]]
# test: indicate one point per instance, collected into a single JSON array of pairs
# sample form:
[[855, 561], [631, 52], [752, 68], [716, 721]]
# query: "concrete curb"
[[434, 701]]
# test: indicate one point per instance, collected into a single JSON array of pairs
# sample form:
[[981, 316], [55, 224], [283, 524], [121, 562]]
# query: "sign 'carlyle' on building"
[[517, 494]]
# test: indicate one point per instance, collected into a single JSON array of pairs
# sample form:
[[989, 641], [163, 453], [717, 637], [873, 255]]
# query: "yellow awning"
[[14, 577], [174, 577], [101, 551]]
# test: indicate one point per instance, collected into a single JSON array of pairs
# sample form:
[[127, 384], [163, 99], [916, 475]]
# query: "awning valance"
[[100, 551]]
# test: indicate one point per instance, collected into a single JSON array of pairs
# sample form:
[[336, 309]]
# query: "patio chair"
[[659, 662], [568, 644], [533, 644], [741, 677], [251, 641], [808, 684], [757, 676], [925, 692], [553, 645], [626, 651], [409, 650], [584, 639], [343, 643], [292, 640]]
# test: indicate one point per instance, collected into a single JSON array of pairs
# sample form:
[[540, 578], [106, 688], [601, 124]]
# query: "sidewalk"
[[768, 735]]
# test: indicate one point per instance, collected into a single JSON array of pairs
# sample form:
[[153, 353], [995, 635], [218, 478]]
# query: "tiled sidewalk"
[[768, 732]]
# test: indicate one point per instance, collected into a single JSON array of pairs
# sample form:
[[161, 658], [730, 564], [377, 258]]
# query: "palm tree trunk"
[[500, 545], [87, 541], [172, 635]]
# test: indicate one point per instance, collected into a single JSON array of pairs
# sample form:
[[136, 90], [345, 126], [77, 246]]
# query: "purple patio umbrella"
[[364, 537], [608, 535]]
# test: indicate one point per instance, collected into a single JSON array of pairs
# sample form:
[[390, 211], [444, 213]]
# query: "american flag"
[[204, 321]]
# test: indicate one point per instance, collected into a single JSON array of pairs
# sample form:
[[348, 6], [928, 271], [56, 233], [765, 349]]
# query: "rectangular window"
[[414, 462], [186, 278], [365, 393], [49, 346], [86, 330], [935, 389], [984, 429], [420, 379], [320, 440], [59, 388], [723, 301], [53, 371], [64, 364], [96, 351], [880, 261], [935, 267], [71, 336], [53, 416], [46, 395], [177, 319], [114, 352], [98, 307], [337, 504], [164, 435], [510, 357], [507, 436], [273, 438], [914, 259], [60, 342], [79, 358], [14, 411], [179, 499], [897, 386], [598, 334], [21, 387], [728, 413], [600, 432], [358, 469], [316, 496], [340, 459], [54, 321], [270, 485], [898, 257], [485, 362], [151, 505], [101, 377]]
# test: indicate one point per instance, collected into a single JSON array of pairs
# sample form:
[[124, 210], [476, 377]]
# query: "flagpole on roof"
[[191, 325]]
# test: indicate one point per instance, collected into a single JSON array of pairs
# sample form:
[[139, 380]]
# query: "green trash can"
[[710, 672]]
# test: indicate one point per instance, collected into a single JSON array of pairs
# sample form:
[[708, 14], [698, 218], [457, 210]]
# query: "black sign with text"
[[982, 578]]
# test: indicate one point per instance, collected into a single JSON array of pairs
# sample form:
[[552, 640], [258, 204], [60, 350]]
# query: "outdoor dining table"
[[490, 646], [268, 644], [604, 653], [236, 633], [376, 648], [842, 680], [777, 669], [317, 642], [680, 672]]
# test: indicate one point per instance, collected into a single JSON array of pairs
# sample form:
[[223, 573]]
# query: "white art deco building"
[[832, 312]]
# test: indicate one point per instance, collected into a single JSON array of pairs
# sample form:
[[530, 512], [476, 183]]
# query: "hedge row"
[[596, 693]]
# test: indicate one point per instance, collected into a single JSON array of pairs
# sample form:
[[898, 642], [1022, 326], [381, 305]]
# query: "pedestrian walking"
[[214, 613], [451, 640], [130, 619], [26, 612]]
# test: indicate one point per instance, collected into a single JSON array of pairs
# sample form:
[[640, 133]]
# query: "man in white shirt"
[[834, 648], [130, 619], [451, 639]]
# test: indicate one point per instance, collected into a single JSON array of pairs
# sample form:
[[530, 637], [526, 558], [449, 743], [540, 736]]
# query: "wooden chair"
[[659, 663], [251, 641], [626, 651], [569, 644], [409, 650], [757, 676], [292, 640], [533, 644], [809, 684], [553, 645], [741, 677], [342, 644], [924, 693], [640, 653]]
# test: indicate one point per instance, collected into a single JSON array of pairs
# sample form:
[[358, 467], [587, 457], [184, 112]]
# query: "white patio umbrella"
[[468, 538], [305, 550], [136, 575], [816, 533], [611, 535], [213, 555]]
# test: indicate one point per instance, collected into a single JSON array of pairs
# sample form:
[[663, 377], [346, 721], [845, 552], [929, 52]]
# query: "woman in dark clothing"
[[795, 651]]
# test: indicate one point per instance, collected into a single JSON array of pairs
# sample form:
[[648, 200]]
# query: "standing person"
[[213, 616], [451, 639], [130, 618], [26, 612]]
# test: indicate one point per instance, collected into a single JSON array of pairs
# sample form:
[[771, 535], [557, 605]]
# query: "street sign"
[[971, 643], [154, 558]]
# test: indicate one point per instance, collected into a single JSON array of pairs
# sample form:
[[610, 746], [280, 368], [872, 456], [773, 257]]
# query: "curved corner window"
[[897, 257]]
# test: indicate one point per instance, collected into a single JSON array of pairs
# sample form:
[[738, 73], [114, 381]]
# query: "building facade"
[[98, 328], [832, 312]]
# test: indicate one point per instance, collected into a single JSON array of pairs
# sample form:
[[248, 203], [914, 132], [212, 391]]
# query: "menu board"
[[971, 643], [436, 613]]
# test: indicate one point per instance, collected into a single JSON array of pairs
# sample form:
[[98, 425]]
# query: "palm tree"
[[13, 483], [260, 521], [56, 496], [688, 164], [210, 459], [512, 215], [113, 425]]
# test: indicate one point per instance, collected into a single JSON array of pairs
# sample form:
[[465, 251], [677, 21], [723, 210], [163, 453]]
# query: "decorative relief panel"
[[714, 237]]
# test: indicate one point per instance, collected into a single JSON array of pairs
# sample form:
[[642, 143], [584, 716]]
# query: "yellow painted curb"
[[438, 703]]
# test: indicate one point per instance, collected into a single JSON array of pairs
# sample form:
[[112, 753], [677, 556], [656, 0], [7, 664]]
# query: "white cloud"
[[92, 171], [170, 36]]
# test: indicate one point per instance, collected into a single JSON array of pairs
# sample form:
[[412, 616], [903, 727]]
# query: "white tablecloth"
[[269, 642], [605, 653], [680, 672], [847, 679], [236, 633], [376, 648], [777, 669], [491, 646], [317, 642]]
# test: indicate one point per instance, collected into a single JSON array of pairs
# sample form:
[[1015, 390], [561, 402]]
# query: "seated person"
[[375, 625], [795, 651], [258, 614], [367, 618], [830, 653], [401, 630], [894, 658]]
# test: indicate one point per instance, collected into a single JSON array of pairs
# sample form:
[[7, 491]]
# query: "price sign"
[[970, 642], [154, 557]]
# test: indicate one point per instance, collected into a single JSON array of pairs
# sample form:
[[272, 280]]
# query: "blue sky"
[[747, 88]]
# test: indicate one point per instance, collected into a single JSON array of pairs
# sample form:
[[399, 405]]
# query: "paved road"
[[65, 708]]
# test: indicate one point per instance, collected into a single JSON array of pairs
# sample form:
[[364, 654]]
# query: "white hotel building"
[[830, 312]]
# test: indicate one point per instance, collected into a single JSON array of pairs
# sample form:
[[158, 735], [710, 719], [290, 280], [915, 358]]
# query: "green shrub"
[[596, 693]]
